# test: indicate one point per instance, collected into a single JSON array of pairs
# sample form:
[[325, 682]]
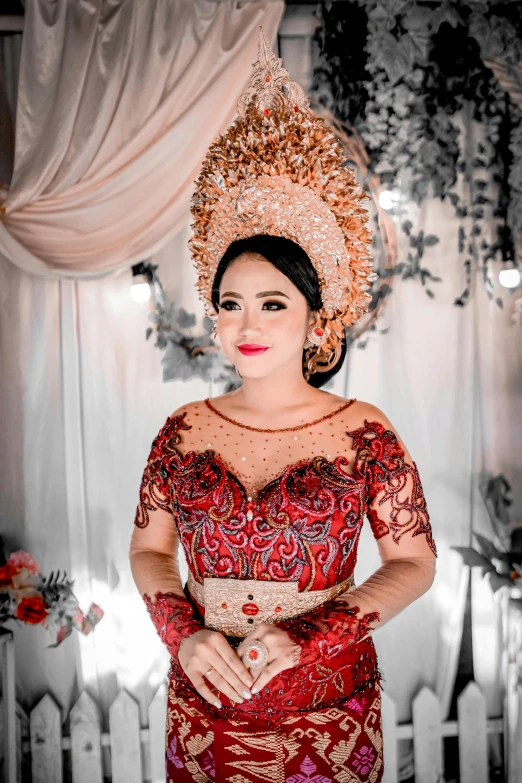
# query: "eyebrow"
[[260, 295]]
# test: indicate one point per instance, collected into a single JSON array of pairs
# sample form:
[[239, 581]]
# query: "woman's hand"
[[282, 653], [209, 650]]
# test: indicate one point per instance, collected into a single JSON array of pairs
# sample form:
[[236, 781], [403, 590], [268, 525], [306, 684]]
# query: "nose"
[[249, 324]]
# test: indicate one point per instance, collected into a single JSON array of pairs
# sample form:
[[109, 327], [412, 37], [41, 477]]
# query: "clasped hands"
[[207, 655]]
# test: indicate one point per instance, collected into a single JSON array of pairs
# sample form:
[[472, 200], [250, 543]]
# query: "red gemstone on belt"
[[253, 655], [251, 609]]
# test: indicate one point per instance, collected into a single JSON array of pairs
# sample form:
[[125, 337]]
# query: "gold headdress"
[[279, 170]]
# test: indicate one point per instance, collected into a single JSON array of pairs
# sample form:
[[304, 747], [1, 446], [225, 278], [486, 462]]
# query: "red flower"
[[31, 610], [21, 559], [6, 575]]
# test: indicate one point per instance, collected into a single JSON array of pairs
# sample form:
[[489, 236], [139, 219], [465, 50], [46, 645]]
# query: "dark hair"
[[292, 261]]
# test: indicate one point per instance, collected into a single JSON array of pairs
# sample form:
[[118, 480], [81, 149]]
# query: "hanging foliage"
[[411, 76], [185, 355]]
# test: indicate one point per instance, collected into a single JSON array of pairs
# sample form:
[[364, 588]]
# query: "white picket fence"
[[128, 754]]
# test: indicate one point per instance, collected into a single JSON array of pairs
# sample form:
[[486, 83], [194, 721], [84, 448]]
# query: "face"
[[262, 319]]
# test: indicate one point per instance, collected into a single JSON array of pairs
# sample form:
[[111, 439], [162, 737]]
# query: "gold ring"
[[207, 673]]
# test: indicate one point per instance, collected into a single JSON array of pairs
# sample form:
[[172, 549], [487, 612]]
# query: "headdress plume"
[[279, 170]]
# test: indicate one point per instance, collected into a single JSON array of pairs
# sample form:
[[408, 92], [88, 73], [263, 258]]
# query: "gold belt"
[[236, 606]]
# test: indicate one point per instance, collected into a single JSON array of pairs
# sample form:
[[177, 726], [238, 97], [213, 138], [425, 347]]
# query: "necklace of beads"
[[284, 429]]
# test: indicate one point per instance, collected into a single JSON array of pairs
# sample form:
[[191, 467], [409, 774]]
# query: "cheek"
[[226, 323]]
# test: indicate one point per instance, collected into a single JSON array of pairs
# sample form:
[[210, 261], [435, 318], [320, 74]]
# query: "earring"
[[315, 336], [214, 332]]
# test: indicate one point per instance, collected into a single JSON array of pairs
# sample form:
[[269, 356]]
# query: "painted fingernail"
[[247, 694], [254, 690], [239, 700], [218, 704]]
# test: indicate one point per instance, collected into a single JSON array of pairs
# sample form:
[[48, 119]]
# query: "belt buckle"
[[237, 606]]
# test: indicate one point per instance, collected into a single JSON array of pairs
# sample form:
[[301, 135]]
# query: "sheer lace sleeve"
[[155, 542], [396, 509]]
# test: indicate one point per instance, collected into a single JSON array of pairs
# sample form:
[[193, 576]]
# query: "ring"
[[256, 654], [207, 673]]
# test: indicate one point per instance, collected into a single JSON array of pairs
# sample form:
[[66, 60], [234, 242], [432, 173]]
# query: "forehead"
[[251, 269]]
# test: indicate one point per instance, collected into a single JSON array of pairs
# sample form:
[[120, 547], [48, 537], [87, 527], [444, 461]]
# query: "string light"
[[141, 292], [509, 278], [388, 199]]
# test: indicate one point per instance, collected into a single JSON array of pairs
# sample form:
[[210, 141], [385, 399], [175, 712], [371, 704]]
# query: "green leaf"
[[473, 558], [487, 547], [431, 240], [497, 581], [185, 320]]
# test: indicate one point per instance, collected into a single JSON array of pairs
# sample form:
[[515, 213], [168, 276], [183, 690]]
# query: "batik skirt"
[[259, 742]]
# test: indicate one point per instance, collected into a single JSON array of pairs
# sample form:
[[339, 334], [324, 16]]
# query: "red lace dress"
[[282, 505]]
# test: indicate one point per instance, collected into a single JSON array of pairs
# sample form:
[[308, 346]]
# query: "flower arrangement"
[[28, 597]]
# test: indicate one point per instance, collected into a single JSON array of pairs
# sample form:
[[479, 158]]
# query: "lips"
[[252, 350]]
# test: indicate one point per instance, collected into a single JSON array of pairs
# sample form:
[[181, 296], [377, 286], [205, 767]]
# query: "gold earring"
[[315, 336]]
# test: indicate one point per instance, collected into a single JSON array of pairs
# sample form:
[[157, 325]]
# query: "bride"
[[274, 674]]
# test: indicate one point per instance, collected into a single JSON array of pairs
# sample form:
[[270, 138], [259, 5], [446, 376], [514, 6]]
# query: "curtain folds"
[[117, 105]]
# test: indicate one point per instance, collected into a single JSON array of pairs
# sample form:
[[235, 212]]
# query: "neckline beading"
[[283, 429]]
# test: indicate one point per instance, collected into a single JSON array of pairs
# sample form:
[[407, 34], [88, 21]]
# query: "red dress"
[[319, 722]]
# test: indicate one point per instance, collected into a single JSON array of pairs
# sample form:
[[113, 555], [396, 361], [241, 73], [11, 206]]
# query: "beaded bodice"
[[278, 505]]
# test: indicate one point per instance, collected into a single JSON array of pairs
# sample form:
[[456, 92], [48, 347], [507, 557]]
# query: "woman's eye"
[[229, 305]]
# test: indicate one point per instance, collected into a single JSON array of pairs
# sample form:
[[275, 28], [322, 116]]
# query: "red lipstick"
[[249, 349]]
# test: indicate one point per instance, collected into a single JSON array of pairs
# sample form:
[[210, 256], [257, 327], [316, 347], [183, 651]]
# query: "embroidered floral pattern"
[[328, 631], [308, 774], [380, 459], [156, 484], [174, 618], [363, 760], [172, 755]]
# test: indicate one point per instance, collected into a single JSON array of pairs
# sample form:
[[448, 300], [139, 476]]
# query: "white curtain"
[[83, 398], [118, 102]]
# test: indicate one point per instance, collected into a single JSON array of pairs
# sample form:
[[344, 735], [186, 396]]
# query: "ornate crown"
[[279, 170]]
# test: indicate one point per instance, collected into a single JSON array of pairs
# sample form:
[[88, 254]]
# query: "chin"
[[252, 372]]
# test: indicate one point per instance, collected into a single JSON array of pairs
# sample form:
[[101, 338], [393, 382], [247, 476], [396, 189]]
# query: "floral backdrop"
[[402, 73]]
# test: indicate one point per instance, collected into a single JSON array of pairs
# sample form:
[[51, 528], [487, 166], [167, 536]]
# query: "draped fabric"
[[117, 105], [82, 398]]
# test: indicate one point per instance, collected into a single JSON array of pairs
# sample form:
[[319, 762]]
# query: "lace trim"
[[174, 618], [380, 458], [328, 631]]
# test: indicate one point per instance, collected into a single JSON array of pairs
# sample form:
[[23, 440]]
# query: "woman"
[[274, 675]]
